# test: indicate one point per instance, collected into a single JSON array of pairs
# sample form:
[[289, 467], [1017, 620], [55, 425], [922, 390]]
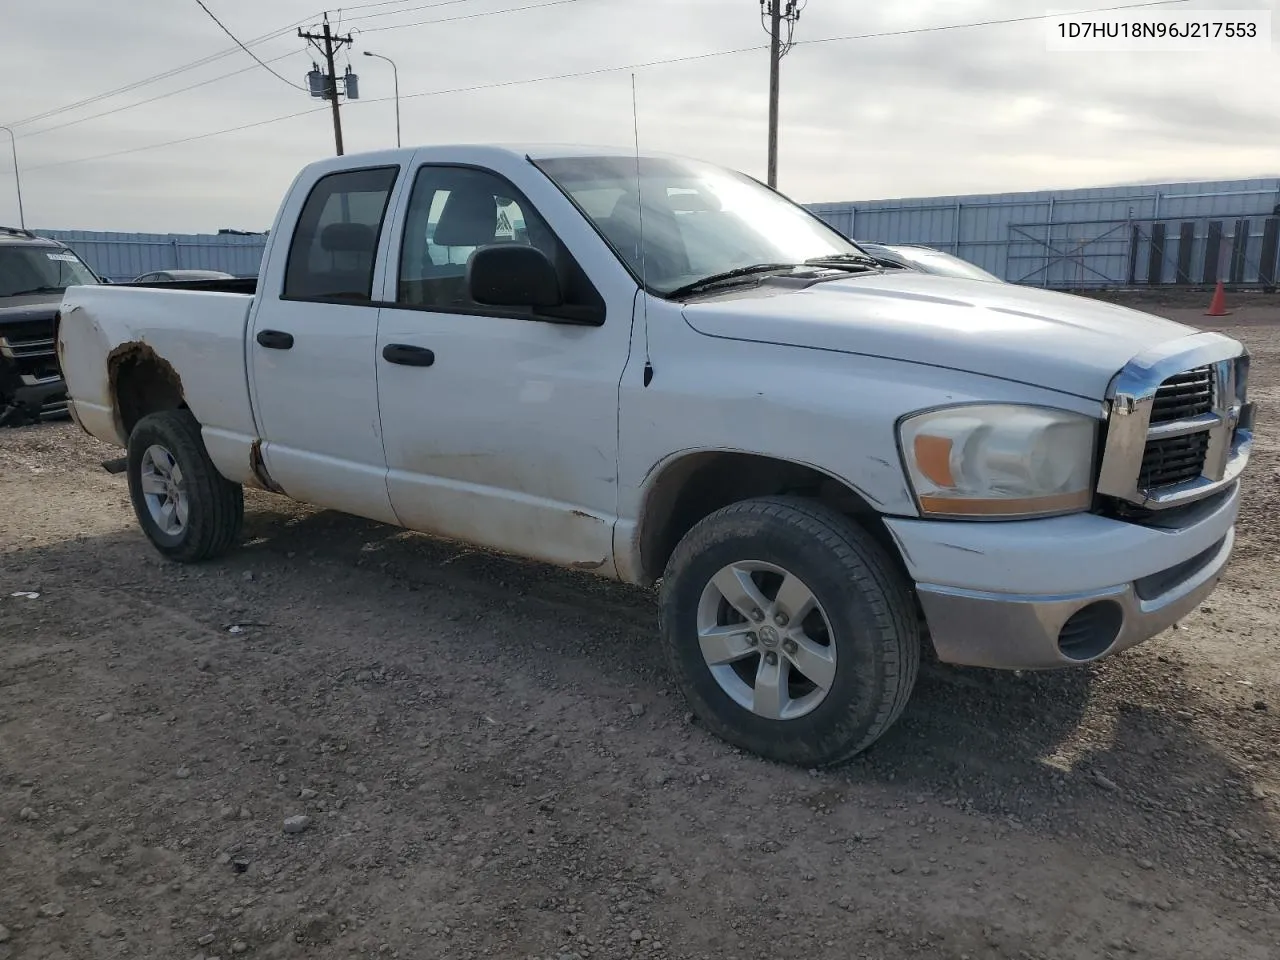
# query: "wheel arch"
[[140, 382], [690, 486]]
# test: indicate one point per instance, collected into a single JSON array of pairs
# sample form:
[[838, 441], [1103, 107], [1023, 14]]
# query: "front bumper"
[[31, 385], [33, 400], [1060, 592]]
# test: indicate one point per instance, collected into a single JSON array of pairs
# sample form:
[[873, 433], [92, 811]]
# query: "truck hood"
[[1067, 343], [42, 306]]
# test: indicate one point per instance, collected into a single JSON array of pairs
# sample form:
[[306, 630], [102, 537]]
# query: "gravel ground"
[[347, 740]]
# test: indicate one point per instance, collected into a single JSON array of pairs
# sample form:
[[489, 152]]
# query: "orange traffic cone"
[[1218, 306]]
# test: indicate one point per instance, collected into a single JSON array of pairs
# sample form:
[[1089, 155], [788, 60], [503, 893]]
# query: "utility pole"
[[326, 86], [777, 16], [775, 63]]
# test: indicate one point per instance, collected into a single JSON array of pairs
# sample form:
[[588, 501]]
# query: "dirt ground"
[[494, 763]]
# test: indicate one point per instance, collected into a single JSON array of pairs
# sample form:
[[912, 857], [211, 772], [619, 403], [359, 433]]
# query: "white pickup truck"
[[661, 371]]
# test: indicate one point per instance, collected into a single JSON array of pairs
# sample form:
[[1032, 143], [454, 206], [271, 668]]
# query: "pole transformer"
[[325, 86]]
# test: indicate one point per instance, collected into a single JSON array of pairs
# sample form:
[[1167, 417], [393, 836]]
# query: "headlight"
[[999, 461]]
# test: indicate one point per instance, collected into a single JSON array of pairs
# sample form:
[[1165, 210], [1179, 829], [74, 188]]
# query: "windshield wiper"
[[716, 279], [844, 259], [27, 293]]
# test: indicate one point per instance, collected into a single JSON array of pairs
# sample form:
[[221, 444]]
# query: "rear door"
[[311, 346]]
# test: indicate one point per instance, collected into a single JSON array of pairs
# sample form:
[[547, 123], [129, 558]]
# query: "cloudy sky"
[[954, 111]]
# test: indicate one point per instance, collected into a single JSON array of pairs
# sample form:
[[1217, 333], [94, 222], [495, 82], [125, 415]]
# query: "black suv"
[[33, 273]]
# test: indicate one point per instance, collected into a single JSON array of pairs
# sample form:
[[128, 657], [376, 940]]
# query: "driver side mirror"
[[513, 275]]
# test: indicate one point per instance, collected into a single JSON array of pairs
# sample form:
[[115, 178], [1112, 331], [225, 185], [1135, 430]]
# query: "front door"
[[311, 348], [508, 438]]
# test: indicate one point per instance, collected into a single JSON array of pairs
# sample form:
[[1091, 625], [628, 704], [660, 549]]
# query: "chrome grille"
[[1168, 461], [1171, 460], [29, 342], [1179, 426], [30, 379], [1184, 395]]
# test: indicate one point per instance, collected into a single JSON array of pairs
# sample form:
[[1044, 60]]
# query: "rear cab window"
[[334, 249]]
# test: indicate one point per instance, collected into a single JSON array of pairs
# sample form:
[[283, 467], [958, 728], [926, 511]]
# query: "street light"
[[17, 180], [395, 78]]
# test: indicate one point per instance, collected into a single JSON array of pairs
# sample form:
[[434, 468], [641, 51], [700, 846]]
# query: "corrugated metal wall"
[[123, 256], [1110, 236], [1188, 233]]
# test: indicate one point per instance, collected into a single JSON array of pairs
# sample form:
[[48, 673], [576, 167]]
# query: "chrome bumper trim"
[[1011, 632]]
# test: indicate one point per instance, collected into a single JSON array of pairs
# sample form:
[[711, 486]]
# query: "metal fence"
[[1174, 233], [124, 256], [1190, 233]]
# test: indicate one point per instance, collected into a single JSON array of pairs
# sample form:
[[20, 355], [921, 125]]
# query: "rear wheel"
[[188, 510], [789, 630]]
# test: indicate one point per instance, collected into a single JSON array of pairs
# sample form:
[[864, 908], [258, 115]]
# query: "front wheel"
[[188, 510], [789, 630]]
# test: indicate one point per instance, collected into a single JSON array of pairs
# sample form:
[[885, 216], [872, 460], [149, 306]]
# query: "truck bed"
[[197, 327], [247, 285]]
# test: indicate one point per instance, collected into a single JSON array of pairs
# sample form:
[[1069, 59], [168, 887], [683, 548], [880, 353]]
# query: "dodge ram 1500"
[[664, 372]]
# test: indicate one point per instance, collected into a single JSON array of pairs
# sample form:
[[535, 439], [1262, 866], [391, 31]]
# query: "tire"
[[214, 506], [864, 613]]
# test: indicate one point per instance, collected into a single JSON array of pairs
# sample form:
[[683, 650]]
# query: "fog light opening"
[[1090, 631]]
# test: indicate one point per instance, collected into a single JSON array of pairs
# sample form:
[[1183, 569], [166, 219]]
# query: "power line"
[[469, 16], [987, 23], [159, 96], [262, 63], [577, 74], [203, 61], [788, 13], [397, 13], [597, 71], [377, 3], [425, 93], [163, 75], [174, 143], [154, 78]]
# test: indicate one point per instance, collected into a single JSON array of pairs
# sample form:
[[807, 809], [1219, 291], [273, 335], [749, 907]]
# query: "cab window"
[[454, 211]]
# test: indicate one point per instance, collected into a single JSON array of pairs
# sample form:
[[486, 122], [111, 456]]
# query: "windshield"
[[935, 261], [39, 269], [699, 220]]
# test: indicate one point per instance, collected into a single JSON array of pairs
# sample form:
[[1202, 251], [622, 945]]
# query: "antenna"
[[644, 273]]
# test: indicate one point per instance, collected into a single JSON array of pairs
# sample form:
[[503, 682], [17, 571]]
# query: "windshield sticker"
[[68, 257]]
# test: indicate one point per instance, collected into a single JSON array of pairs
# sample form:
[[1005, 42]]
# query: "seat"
[[351, 247], [469, 219]]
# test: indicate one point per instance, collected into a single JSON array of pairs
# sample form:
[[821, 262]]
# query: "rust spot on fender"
[[259, 468], [159, 389], [139, 351]]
